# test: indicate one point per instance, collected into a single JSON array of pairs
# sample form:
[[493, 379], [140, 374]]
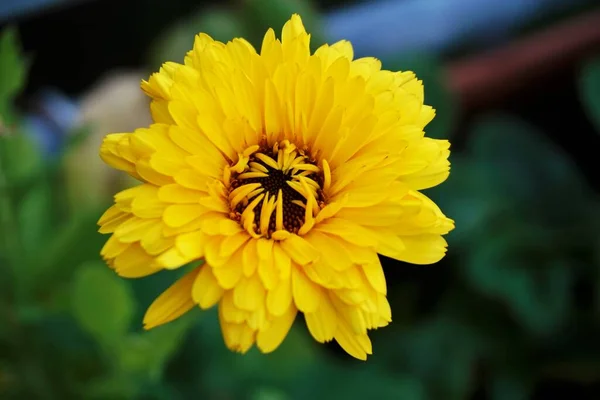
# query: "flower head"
[[287, 173]]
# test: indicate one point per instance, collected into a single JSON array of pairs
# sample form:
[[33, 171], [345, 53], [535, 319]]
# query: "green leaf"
[[34, 216], [254, 370], [535, 285], [114, 387], [507, 386], [144, 355], [260, 15], [589, 88], [268, 393], [511, 171], [522, 165], [13, 71], [437, 94], [102, 303], [429, 346], [461, 198], [21, 158], [331, 381], [74, 242]]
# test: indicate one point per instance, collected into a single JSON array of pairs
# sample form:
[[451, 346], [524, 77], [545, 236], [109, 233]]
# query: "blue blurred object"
[[55, 116], [10, 9], [380, 27]]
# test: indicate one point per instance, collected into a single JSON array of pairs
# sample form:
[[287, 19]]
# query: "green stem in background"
[[10, 246]]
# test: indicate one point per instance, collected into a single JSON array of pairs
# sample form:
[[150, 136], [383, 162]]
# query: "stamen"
[[297, 187], [265, 214], [280, 159], [267, 160], [277, 193], [255, 193], [289, 147], [251, 150], [250, 207], [308, 167], [285, 161], [280, 235], [296, 161], [305, 173], [326, 176], [309, 221], [248, 216], [250, 175], [299, 203], [238, 194], [279, 211], [312, 183], [258, 167], [240, 165], [300, 189], [227, 176], [311, 201]]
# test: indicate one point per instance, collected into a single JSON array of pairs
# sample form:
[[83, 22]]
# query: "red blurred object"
[[488, 78]]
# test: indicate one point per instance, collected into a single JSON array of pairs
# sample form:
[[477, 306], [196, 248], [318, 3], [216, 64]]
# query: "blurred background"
[[513, 311]]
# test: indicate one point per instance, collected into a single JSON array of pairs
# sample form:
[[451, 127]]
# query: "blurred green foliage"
[[507, 298], [590, 89]]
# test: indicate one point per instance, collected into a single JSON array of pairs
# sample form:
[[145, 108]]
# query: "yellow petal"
[[111, 225], [269, 339], [358, 346], [249, 293], [237, 337], [175, 193], [250, 257], [233, 243], [178, 215], [229, 311], [322, 323], [113, 247], [349, 231], [423, 249], [154, 242], [134, 229], [334, 251], [354, 317], [172, 303], [299, 250], [191, 244], [150, 175], [134, 262], [110, 214], [229, 275], [345, 49], [214, 223], [172, 259], [257, 319], [206, 290], [266, 266], [307, 295], [279, 298], [374, 274]]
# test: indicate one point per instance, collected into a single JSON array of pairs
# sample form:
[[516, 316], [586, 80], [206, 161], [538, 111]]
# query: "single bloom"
[[286, 173]]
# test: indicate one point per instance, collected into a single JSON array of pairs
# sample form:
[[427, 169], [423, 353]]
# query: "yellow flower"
[[287, 173]]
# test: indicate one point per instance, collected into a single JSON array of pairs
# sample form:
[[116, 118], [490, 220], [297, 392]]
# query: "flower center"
[[277, 192]]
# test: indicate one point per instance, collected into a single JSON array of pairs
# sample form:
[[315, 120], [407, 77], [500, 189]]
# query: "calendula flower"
[[287, 173]]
